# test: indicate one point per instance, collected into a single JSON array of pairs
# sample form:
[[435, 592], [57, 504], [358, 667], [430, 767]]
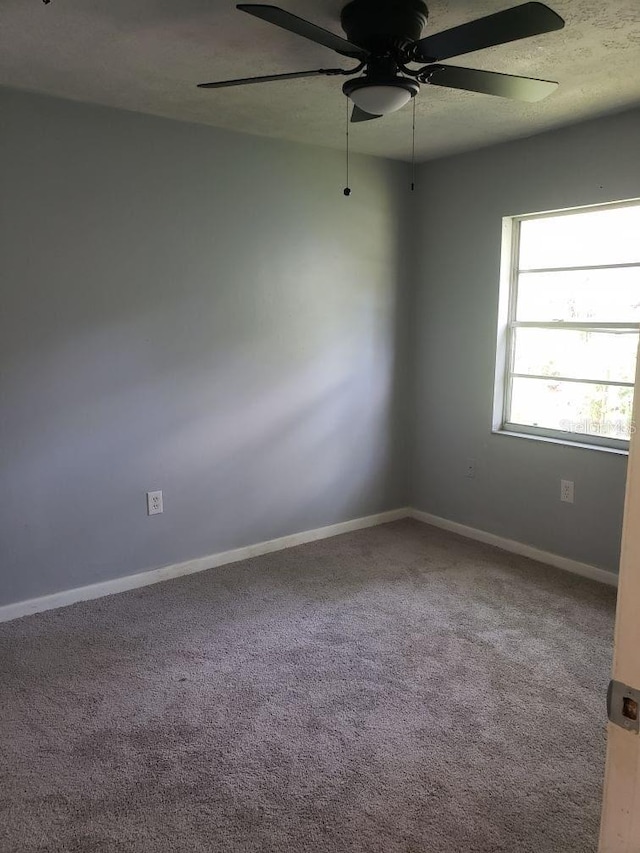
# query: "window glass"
[[572, 354], [594, 237], [573, 407], [591, 295]]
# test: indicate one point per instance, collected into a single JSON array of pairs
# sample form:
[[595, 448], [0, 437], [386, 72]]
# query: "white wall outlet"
[[566, 491], [154, 503], [471, 468]]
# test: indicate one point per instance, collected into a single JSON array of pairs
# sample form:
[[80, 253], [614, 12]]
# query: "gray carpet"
[[395, 689]]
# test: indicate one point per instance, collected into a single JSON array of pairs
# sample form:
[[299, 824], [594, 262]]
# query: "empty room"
[[318, 476]]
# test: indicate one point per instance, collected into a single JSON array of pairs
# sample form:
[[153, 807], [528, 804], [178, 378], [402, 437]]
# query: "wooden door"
[[620, 828]]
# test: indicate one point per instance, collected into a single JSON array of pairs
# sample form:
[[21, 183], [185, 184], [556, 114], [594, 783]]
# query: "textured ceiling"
[[148, 55]]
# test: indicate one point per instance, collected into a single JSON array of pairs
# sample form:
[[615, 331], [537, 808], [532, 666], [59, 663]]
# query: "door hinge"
[[623, 706]]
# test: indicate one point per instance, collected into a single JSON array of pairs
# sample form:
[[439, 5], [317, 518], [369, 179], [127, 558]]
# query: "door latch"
[[623, 706]]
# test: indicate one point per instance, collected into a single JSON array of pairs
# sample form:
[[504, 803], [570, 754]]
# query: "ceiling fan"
[[384, 36]]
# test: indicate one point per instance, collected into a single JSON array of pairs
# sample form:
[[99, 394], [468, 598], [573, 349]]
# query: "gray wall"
[[193, 311], [461, 204], [204, 313]]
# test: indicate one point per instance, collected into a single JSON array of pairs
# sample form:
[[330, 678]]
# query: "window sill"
[[582, 445]]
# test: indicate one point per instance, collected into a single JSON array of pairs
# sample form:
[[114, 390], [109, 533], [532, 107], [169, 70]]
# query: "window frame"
[[508, 325]]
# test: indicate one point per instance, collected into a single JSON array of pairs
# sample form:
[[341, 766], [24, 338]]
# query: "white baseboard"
[[201, 564], [564, 563], [98, 590]]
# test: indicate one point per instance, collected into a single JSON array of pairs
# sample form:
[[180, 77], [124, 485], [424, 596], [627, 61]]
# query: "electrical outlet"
[[471, 468], [566, 491], [154, 503]]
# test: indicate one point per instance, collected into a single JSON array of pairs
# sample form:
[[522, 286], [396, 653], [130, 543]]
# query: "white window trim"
[[505, 352]]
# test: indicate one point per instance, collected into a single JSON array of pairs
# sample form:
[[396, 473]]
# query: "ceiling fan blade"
[[222, 84], [491, 83], [530, 19], [274, 15], [361, 115]]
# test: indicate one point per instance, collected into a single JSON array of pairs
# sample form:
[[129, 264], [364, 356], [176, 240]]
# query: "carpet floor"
[[394, 690]]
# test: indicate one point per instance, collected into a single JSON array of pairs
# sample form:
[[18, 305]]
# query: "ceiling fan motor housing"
[[384, 25]]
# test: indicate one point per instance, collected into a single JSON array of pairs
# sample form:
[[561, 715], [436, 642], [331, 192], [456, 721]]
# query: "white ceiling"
[[148, 55]]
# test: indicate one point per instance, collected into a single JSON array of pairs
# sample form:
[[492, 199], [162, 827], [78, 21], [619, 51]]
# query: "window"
[[570, 322]]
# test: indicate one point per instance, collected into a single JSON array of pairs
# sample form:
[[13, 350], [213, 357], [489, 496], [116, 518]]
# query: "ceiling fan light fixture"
[[380, 98]]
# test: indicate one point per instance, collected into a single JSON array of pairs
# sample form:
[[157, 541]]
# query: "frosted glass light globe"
[[380, 100]]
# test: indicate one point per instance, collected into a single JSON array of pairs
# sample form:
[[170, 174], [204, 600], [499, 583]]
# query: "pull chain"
[[347, 189], [413, 150]]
